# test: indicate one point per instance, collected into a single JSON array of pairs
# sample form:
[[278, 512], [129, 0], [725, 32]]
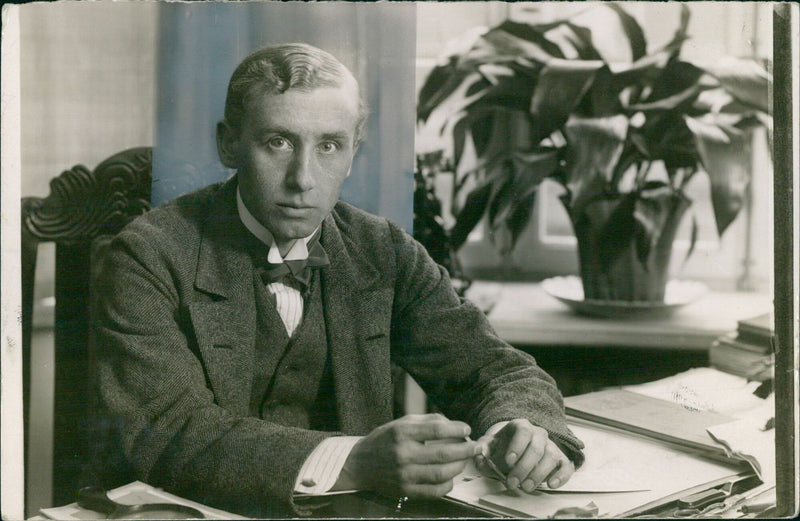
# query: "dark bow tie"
[[299, 270]]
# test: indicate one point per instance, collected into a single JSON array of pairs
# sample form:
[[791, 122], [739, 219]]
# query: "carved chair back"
[[82, 206]]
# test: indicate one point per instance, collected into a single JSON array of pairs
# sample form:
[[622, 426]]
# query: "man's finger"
[[425, 490], [424, 417], [520, 439], [431, 474], [435, 429], [452, 449], [528, 461], [549, 461], [562, 474]]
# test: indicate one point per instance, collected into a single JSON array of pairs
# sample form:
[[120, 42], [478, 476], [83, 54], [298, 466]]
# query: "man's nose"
[[301, 171]]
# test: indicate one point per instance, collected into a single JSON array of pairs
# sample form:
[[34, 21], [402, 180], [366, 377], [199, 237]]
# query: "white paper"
[[704, 389], [748, 439], [613, 459]]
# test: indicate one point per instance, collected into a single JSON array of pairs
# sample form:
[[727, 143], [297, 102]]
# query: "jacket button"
[[308, 482]]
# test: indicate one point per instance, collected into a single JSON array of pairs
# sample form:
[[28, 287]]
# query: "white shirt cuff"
[[322, 467]]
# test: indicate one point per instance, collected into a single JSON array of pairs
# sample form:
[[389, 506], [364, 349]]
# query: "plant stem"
[[641, 174]]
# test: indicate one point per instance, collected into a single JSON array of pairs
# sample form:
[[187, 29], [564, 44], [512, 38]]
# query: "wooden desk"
[[524, 314], [586, 353], [370, 505]]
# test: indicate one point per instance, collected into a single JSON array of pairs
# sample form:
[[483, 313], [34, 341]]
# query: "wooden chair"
[[82, 205]]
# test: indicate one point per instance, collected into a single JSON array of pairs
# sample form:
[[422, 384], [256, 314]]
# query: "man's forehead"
[[329, 108]]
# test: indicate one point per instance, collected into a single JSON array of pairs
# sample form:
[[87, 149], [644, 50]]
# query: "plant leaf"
[[497, 132], [524, 35], [509, 41], [616, 233], [728, 167], [561, 86], [603, 98], [673, 102], [581, 39], [506, 232], [512, 92], [428, 227], [676, 87], [525, 173], [693, 237], [454, 94], [743, 79], [650, 213], [635, 151], [439, 84], [649, 65], [670, 140], [470, 215], [633, 31], [596, 145]]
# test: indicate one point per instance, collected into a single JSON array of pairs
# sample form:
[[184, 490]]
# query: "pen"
[[489, 463]]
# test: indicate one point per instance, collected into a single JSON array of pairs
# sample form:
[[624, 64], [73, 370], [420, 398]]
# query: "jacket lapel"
[[357, 310], [224, 317]]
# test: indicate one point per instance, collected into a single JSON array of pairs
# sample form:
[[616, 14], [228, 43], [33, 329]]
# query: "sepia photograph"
[[476, 259]]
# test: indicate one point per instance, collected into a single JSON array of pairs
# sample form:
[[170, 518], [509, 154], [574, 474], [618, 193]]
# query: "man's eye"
[[279, 143], [329, 147]]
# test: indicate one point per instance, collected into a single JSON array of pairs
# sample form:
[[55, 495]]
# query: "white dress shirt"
[[323, 466], [288, 299]]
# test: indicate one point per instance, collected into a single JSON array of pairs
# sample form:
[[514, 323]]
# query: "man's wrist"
[[351, 477], [322, 469]]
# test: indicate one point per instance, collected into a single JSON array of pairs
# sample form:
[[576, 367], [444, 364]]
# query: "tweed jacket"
[[175, 340]]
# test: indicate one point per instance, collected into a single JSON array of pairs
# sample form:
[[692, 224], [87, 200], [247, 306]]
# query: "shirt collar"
[[297, 251]]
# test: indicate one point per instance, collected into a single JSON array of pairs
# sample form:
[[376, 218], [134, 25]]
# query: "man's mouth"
[[293, 208]]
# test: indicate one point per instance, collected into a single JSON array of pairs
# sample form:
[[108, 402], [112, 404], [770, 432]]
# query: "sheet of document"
[[653, 417], [704, 389], [613, 460], [752, 439]]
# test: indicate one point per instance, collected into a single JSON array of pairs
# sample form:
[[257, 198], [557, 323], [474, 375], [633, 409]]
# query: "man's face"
[[292, 153]]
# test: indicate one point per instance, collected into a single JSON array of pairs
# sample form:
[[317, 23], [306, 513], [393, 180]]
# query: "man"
[[246, 330]]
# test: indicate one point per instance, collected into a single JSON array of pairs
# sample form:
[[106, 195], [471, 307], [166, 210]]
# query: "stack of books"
[[748, 351]]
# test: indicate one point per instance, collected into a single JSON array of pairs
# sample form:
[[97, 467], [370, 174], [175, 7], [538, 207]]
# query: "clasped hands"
[[419, 455]]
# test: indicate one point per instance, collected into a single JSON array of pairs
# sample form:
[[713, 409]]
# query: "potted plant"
[[528, 102]]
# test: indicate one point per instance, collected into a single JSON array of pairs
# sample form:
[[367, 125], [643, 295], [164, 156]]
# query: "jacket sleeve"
[[448, 346], [153, 387]]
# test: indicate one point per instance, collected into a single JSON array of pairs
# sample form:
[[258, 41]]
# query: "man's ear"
[[227, 144]]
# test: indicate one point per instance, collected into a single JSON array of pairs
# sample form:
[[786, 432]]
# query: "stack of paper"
[[747, 352], [623, 474], [703, 409], [646, 446]]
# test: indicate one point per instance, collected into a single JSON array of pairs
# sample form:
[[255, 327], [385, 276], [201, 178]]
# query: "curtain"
[[201, 43]]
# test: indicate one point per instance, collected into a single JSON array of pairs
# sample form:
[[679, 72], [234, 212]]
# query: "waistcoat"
[[292, 383]]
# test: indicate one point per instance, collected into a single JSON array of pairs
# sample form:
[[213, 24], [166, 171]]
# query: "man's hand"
[[395, 459], [526, 455]]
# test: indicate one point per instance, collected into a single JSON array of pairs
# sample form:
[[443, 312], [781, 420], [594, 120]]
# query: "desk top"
[[523, 314]]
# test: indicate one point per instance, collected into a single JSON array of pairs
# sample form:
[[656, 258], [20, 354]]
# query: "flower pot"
[[625, 244]]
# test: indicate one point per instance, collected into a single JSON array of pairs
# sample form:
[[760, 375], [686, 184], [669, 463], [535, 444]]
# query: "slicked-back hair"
[[278, 68]]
